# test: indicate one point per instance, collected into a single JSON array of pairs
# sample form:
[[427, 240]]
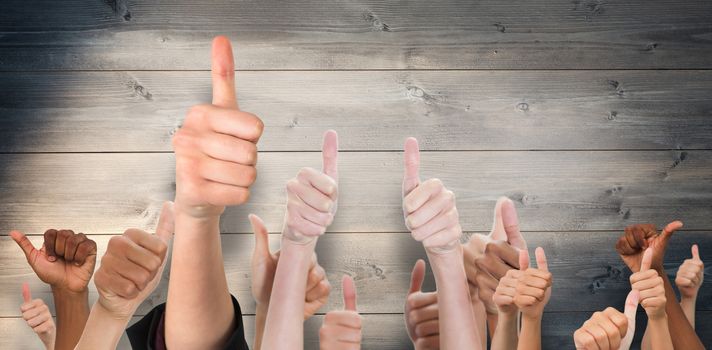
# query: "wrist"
[[688, 299], [198, 212], [108, 314], [65, 293], [533, 318]]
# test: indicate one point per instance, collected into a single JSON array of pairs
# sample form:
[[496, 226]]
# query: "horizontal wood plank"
[[374, 111], [588, 274], [365, 34], [554, 191]]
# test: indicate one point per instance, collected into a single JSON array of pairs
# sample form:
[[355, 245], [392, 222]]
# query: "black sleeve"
[[148, 333]]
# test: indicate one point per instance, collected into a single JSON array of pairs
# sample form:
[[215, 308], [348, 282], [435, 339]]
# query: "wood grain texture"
[[554, 191], [587, 271], [452, 34], [445, 110]]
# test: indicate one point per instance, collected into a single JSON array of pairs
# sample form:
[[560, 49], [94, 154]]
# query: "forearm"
[[660, 338], [645, 343], [530, 338], [492, 320], [457, 324], [480, 315], [48, 340], [72, 314], [685, 337], [260, 320], [688, 307], [199, 311], [103, 330], [505, 336], [284, 327]]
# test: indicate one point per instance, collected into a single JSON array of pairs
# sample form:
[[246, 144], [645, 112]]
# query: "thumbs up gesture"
[[216, 149], [428, 207], [534, 286], [65, 261], [37, 315], [421, 312], [609, 329], [312, 196], [650, 286], [341, 329], [132, 266], [639, 237], [690, 275], [506, 290]]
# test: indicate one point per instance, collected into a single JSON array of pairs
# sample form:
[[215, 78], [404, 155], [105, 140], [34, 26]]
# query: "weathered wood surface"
[[446, 110], [453, 34], [381, 331], [555, 191], [588, 273]]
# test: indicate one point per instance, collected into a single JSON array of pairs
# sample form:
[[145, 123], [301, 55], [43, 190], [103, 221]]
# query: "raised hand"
[[690, 275], [36, 314], [132, 266], [341, 329], [216, 149], [534, 285], [506, 291], [421, 312], [428, 207], [650, 286], [609, 329], [312, 196], [639, 237], [264, 266], [65, 261]]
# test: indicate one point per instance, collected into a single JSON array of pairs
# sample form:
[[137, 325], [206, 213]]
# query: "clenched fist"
[[37, 315], [421, 312], [639, 237], [312, 196], [690, 275], [534, 285], [132, 266], [609, 329], [65, 261], [341, 329], [506, 291], [216, 148], [429, 208]]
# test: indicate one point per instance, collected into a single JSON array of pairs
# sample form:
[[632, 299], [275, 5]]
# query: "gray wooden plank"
[[588, 274], [555, 191], [384, 331], [446, 110], [365, 34]]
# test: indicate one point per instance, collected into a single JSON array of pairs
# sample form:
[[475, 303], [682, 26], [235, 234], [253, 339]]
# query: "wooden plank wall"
[[589, 114]]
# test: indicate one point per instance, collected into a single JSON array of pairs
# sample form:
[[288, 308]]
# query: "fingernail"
[[51, 258]]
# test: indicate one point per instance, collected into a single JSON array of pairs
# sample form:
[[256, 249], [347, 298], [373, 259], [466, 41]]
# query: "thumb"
[[498, 233], [25, 245], [695, 252], [261, 235], [411, 178], [166, 223], [26, 295], [349, 290], [541, 262], [631, 306], [523, 259], [330, 153], [670, 229], [511, 225], [223, 73], [647, 260], [417, 276]]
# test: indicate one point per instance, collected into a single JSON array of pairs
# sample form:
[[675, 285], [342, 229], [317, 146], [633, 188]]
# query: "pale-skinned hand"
[[421, 312], [650, 287], [690, 275], [264, 267], [312, 196], [38, 317], [341, 329], [132, 266], [66, 260], [506, 291], [639, 237], [609, 329], [533, 289], [429, 208], [216, 148]]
